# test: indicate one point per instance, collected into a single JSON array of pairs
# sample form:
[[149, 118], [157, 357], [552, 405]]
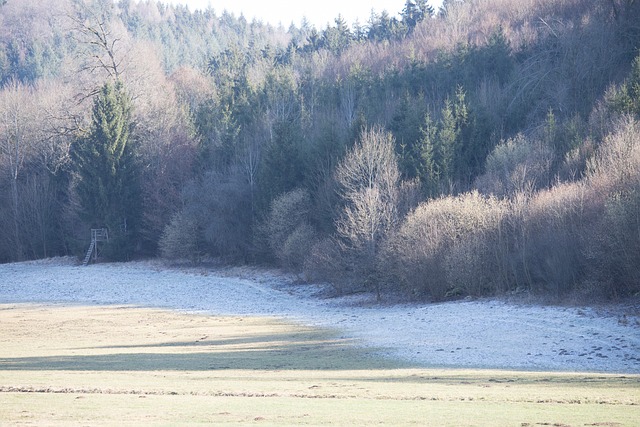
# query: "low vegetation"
[[106, 365]]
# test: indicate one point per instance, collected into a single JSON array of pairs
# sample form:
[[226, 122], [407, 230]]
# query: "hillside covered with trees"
[[490, 146]]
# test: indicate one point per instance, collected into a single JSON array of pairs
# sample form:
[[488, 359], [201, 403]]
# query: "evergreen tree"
[[219, 130], [415, 12], [405, 125], [466, 149], [384, 27], [337, 38], [429, 171], [107, 184], [359, 31], [626, 99], [282, 167], [448, 139], [442, 146]]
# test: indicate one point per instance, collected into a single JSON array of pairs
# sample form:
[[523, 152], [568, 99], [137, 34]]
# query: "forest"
[[489, 147]]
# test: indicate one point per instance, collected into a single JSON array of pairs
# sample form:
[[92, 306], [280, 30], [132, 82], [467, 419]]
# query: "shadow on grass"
[[260, 341], [304, 351]]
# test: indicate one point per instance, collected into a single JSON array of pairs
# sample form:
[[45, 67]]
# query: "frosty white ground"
[[478, 334]]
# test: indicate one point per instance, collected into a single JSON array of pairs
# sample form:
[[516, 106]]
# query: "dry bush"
[[614, 239], [287, 228], [524, 22], [328, 263], [615, 247], [580, 238], [616, 165], [575, 161], [180, 239], [516, 165], [552, 256], [449, 246], [298, 245]]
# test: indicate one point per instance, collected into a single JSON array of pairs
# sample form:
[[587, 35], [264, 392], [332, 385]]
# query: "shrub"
[[552, 256], [450, 246], [288, 231], [179, 241], [617, 161], [297, 247], [617, 244], [517, 164], [614, 239], [328, 263]]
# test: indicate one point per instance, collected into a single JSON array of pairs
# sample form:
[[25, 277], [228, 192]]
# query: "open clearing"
[[104, 365], [97, 345]]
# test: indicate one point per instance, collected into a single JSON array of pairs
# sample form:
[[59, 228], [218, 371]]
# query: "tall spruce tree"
[[429, 157], [107, 184]]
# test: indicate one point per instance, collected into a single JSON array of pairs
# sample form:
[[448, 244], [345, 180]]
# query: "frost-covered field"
[[480, 334]]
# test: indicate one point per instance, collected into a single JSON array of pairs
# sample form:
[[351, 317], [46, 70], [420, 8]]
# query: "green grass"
[[131, 366]]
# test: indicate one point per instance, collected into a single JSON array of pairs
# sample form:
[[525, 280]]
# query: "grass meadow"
[[79, 365]]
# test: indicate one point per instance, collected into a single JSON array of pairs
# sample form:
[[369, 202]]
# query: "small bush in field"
[[449, 246], [298, 246], [328, 263], [179, 241], [288, 232]]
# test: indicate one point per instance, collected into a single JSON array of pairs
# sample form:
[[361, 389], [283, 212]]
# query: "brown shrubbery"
[[516, 165], [572, 239], [180, 239], [289, 234], [614, 241], [580, 238], [450, 246]]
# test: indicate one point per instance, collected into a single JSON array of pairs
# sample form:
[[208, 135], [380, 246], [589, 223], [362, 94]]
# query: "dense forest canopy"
[[488, 146]]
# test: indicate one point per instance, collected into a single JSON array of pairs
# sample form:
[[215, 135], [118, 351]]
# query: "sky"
[[317, 12]]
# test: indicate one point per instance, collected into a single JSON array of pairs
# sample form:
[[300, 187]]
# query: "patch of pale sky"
[[319, 13]]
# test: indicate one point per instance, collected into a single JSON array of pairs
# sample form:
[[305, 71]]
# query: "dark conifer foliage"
[[107, 177]]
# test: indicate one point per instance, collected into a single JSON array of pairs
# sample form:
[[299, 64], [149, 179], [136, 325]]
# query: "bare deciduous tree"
[[95, 33], [348, 102], [16, 144], [369, 180]]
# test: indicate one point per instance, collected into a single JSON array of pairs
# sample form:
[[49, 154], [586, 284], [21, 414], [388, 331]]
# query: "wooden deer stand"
[[97, 235]]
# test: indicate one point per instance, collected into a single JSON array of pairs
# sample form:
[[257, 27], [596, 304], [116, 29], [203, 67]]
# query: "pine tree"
[[626, 99], [414, 12], [448, 142], [429, 171], [107, 184]]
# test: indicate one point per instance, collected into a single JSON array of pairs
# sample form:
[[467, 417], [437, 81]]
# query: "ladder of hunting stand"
[[97, 235]]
